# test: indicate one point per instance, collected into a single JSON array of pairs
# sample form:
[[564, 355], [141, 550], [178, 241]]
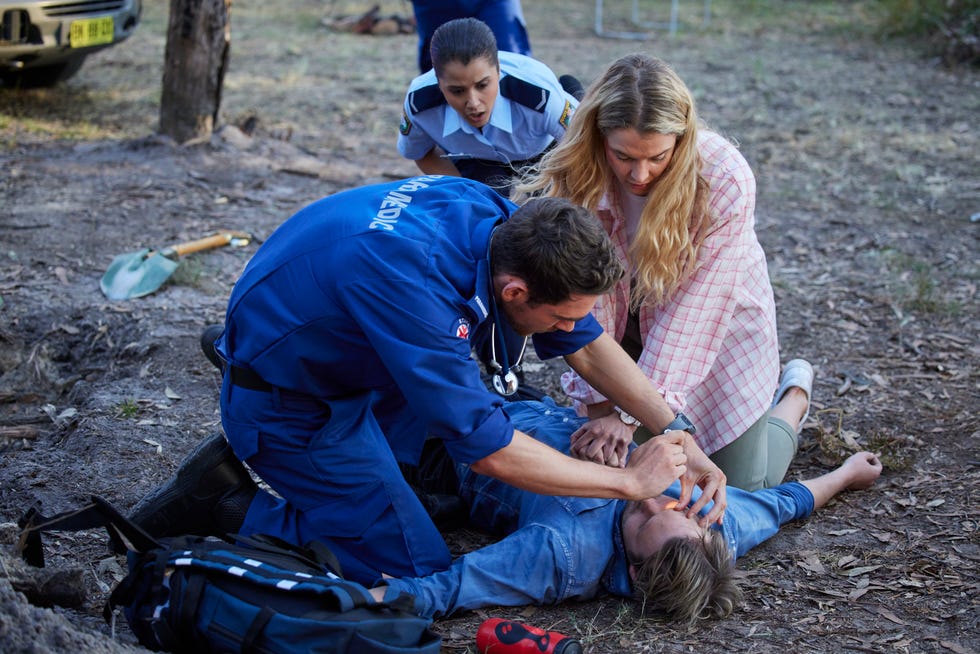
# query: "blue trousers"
[[335, 480], [504, 17]]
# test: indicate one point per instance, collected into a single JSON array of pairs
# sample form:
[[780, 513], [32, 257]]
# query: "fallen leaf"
[[841, 532], [854, 572], [813, 564], [931, 504], [845, 561], [888, 615], [850, 439], [171, 393], [955, 647], [158, 447]]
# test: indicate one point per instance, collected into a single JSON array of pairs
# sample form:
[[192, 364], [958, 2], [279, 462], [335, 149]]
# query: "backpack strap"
[[255, 630], [124, 534], [191, 596], [315, 553]]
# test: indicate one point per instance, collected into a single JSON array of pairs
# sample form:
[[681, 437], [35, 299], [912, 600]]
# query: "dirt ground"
[[868, 199]]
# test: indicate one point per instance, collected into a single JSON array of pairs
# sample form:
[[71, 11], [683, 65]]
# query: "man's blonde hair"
[[690, 579]]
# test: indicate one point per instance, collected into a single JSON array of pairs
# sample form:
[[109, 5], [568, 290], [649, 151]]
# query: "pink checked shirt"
[[712, 349]]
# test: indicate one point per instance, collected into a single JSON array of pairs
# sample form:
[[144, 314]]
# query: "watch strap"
[[682, 423]]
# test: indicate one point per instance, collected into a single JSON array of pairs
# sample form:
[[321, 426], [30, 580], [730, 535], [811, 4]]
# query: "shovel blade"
[[136, 274]]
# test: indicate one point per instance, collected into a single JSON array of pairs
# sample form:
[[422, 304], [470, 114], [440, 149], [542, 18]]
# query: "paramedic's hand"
[[657, 464], [701, 471], [378, 592], [605, 440]]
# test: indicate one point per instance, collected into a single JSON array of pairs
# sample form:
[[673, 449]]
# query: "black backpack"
[[247, 594]]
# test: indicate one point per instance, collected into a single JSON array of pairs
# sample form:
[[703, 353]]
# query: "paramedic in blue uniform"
[[347, 342], [480, 113], [504, 18]]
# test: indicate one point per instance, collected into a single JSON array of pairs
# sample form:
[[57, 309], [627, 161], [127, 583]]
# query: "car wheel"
[[42, 75]]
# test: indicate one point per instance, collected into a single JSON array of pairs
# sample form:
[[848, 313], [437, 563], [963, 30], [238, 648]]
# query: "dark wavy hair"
[[558, 248]]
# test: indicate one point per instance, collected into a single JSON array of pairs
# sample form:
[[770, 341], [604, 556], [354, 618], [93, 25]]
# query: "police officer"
[[504, 18], [347, 344], [481, 113]]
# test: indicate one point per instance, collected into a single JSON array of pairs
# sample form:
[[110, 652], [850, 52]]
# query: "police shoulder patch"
[[566, 115], [406, 125], [530, 95]]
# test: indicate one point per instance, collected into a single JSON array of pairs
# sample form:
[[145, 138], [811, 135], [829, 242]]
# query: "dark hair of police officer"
[[558, 248], [462, 40]]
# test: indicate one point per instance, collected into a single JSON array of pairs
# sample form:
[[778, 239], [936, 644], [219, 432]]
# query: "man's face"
[[527, 318], [471, 90], [649, 524]]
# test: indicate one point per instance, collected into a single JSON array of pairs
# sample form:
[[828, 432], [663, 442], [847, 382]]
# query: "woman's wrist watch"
[[681, 422], [627, 418]]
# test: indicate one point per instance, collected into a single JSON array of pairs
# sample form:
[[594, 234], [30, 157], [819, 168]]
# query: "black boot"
[[448, 512], [208, 496], [210, 335], [436, 484]]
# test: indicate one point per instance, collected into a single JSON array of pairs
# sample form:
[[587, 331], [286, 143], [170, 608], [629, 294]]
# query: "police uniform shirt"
[[375, 292], [531, 111]]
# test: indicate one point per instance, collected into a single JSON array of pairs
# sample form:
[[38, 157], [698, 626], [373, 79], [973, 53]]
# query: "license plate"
[[91, 31]]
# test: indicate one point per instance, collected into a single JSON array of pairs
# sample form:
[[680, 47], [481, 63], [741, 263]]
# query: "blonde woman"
[[696, 310]]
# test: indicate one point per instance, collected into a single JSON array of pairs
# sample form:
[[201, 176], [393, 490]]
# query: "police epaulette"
[[525, 93], [424, 98]]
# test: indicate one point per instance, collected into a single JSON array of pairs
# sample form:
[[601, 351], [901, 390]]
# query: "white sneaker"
[[798, 373]]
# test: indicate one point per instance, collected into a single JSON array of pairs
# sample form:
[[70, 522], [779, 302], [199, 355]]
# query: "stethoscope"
[[503, 377]]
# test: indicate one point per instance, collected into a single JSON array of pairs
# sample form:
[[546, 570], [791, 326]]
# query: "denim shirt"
[[562, 548]]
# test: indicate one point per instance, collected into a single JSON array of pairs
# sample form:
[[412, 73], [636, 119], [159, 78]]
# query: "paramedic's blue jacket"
[[365, 302]]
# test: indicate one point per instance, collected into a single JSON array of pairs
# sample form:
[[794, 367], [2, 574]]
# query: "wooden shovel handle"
[[207, 243]]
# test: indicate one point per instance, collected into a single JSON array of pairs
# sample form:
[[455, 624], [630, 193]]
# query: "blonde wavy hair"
[[689, 579], [643, 93]]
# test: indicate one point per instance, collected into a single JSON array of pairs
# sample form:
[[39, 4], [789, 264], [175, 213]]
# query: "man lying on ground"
[[560, 548]]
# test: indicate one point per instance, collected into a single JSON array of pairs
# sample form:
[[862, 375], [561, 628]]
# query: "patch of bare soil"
[[866, 160]]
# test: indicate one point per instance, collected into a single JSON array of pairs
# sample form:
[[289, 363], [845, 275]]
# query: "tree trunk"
[[198, 39]]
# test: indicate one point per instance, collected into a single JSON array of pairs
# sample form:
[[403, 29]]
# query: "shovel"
[[136, 274]]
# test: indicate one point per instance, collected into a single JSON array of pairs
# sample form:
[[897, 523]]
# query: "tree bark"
[[198, 40]]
